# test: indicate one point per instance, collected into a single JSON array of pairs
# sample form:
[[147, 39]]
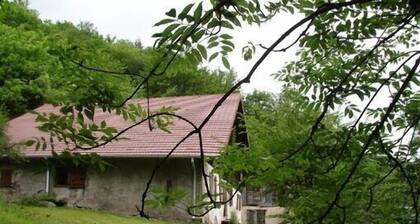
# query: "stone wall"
[[117, 189], [120, 187], [28, 177]]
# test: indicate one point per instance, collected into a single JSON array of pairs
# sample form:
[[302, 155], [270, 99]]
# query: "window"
[[238, 202], [253, 196], [61, 177], [224, 194], [256, 196], [70, 177], [6, 178], [255, 216]]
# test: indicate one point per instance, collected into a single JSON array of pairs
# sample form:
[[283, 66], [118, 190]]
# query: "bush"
[[39, 199], [233, 218]]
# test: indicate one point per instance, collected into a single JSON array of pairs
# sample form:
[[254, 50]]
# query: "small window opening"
[[6, 178], [70, 177]]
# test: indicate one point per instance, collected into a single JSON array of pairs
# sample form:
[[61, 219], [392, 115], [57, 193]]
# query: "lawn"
[[22, 214]]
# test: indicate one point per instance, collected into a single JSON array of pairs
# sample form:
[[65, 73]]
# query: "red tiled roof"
[[140, 141]]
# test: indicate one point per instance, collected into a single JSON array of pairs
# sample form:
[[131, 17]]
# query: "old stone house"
[[119, 188]]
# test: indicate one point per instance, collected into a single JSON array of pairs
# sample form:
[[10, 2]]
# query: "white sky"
[[134, 19]]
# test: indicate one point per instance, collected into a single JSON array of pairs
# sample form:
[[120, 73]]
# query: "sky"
[[134, 19]]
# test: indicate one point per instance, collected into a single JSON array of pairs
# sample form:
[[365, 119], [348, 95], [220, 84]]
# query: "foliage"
[[3, 123], [350, 54], [233, 218], [165, 197], [303, 183], [40, 64], [68, 159], [5, 148], [258, 101], [36, 199]]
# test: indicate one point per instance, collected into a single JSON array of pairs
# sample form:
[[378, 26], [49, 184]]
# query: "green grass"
[[20, 214]]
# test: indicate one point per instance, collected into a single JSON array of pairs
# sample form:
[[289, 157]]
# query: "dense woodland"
[[328, 159], [46, 62]]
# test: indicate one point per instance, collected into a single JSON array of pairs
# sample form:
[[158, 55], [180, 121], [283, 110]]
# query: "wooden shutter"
[[6, 178], [77, 178]]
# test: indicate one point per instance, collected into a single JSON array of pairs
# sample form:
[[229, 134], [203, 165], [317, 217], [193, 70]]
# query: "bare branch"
[[82, 65]]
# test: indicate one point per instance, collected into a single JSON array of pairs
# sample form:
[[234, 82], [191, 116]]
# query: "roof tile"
[[141, 142]]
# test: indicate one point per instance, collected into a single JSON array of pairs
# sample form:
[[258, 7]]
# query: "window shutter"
[[77, 178], [6, 178]]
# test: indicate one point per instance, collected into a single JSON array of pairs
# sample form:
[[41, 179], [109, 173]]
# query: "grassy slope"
[[18, 214]]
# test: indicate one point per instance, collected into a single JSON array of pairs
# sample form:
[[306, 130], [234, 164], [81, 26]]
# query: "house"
[[120, 187], [260, 207]]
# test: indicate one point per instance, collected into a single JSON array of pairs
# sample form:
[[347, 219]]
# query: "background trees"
[[43, 62]]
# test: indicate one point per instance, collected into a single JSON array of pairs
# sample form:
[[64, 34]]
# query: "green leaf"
[[226, 36], [185, 11], [213, 56], [164, 21], [169, 29], [198, 11], [196, 54], [197, 36], [89, 113], [225, 62], [202, 50], [30, 143], [171, 13], [213, 44]]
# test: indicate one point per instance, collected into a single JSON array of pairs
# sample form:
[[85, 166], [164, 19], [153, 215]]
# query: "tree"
[[55, 63], [303, 183], [348, 50]]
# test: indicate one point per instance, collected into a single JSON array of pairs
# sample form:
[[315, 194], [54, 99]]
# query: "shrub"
[[233, 218], [39, 199]]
